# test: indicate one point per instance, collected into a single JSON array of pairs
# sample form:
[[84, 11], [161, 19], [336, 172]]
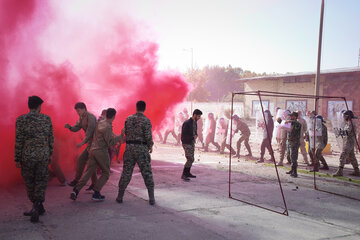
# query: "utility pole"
[[191, 50], [317, 78]]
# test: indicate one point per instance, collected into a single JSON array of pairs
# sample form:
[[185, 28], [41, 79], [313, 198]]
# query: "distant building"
[[336, 82]]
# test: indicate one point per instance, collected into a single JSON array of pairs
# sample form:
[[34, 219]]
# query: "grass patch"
[[318, 174]]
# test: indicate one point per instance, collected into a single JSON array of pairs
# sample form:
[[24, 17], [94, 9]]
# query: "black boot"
[[294, 173], [184, 175], [35, 213], [291, 171], [151, 196], [316, 168], [188, 174], [325, 166], [120, 196]]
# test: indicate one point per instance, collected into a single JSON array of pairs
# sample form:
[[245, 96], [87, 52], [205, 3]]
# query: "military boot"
[[316, 168], [184, 175], [325, 166], [356, 172], [291, 171], [120, 196], [188, 174], [294, 172], [151, 196], [35, 213], [339, 172], [41, 210]]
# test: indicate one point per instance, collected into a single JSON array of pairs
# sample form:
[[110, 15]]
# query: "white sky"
[[257, 35]]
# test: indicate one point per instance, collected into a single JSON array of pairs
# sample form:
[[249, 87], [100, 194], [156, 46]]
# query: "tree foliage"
[[215, 83]]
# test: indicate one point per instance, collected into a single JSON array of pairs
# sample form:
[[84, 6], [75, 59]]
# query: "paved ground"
[[200, 209]]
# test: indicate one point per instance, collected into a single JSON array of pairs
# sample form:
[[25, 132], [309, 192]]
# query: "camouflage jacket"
[[104, 137], [293, 136], [348, 135], [138, 128], [34, 138], [87, 122], [243, 128]]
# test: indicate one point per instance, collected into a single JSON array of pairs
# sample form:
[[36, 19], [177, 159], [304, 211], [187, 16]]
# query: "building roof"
[[324, 72]]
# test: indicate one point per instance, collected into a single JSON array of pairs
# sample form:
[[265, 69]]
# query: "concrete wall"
[[279, 85]]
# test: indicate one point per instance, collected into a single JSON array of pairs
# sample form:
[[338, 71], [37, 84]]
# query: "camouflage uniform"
[[245, 136], [33, 148], [99, 156], [87, 122], [138, 143], [302, 141], [347, 153], [293, 142], [320, 144]]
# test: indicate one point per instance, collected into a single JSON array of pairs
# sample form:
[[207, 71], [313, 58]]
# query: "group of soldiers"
[[292, 131], [215, 131], [35, 142], [34, 146]]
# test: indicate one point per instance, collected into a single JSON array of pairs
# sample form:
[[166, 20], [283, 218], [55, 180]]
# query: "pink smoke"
[[65, 55]]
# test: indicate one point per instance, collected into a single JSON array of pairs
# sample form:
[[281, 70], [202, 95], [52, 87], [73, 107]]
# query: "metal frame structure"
[[289, 95]]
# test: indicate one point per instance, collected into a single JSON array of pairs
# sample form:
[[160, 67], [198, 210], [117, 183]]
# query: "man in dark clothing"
[[188, 138], [266, 143], [293, 142]]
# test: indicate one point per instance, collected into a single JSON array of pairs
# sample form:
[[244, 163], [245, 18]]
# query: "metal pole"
[[230, 154], [317, 78], [286, 212]]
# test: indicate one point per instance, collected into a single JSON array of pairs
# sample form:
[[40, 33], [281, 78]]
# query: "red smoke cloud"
[[64, 54]]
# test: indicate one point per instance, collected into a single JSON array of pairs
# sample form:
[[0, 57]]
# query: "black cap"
[[295, 114], [350, 114], [34, 102], [321, 118], [268, 112], [235, 117]]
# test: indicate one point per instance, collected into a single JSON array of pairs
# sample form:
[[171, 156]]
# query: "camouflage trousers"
[[282, 148], [80, 166], [348, 155], [189, 154], [245, 139], [293, 153], [98, 158], [316, 156], [136, 153], [35, 174]]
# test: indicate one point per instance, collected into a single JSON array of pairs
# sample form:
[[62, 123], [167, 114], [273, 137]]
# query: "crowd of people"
[[34, 145]]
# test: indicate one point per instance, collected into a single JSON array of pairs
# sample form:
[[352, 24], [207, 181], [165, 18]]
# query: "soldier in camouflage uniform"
[[139, 145], [293, 143], [33, 148], [87, 122], [320, 143], [245, 136], [347, 153], [188, 139], [103, 139], [302, 134]]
